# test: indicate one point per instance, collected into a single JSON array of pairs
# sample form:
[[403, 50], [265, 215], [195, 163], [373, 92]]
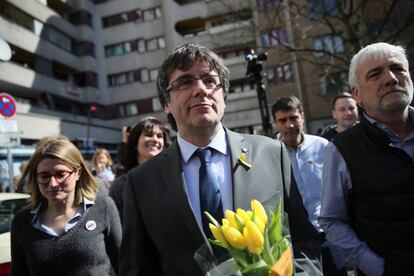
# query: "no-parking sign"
[[7, 105]]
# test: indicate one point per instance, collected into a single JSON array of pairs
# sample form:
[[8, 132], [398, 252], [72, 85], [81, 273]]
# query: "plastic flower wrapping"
[[258, 244]]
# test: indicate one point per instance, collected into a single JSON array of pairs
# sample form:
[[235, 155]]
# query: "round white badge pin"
[[90, 225]]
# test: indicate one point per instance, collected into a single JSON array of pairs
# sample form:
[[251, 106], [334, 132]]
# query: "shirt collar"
[[303, 143], [218, 143], [36, 211], [386, 128]]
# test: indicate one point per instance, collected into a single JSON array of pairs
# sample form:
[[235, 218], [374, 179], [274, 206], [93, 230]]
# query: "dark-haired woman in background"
[[146, 139]]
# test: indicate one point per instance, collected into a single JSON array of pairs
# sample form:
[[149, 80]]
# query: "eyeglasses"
[[187, 82], [60, 177]]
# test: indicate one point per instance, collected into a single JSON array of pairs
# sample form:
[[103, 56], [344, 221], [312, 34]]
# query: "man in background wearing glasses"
[[164, 224]]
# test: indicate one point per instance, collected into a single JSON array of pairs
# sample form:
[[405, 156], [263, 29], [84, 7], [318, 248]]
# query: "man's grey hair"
[[377, 51]]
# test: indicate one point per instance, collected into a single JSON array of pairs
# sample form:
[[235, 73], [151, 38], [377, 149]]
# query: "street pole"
[[11, 169], [87, 134]]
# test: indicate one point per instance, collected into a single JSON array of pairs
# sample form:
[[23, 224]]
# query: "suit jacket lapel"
[[173, 177], [241, 176], [246, 185]]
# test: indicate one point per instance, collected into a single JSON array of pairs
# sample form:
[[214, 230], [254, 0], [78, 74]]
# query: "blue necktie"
[[210, 198]]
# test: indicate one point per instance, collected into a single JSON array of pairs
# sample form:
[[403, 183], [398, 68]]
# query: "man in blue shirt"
[[306, 157], [368, 193]]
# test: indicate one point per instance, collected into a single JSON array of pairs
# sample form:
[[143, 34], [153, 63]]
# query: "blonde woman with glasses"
[[68, 229]]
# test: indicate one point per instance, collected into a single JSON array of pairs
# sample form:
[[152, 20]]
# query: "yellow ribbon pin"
[[242, 159]]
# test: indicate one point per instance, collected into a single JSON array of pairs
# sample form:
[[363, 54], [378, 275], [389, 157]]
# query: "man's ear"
[[167, 108], [274, 122], [357, 95], [333, 114]]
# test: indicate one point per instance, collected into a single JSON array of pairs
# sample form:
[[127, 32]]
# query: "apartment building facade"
[[70, 55]]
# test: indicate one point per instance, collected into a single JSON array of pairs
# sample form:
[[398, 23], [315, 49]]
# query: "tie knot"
[[204, 155]]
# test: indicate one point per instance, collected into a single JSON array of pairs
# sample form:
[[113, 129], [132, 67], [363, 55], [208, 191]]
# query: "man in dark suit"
[[163, 218]]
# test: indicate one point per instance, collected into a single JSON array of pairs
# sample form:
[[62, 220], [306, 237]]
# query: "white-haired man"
[[368, 193]]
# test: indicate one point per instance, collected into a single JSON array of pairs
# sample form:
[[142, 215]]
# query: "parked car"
[[10, 204]]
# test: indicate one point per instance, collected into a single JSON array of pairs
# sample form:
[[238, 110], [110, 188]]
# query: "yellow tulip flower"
[[230, 216], [218, 235], [254, 238], [234, 237], [243, 215], [260, 224], [258, 210]]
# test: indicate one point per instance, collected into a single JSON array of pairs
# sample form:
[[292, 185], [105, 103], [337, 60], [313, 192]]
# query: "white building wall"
[[242, 108]]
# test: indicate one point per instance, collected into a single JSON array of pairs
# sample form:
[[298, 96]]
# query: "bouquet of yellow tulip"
[[258, 246]]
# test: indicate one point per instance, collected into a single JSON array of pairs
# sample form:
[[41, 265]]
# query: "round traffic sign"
[[7, 105]]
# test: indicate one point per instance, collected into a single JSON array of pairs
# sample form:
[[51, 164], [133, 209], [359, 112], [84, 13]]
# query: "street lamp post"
[[92, 109]]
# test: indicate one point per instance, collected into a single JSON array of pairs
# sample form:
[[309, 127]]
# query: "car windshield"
[[8, 208]]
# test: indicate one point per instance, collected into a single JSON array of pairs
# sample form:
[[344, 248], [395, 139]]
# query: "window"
[[151, 14], [144, 75], [121, 110], [153, 73], [138, 75], [138, 107], [233, 53], [15, 15], [136, 16], [131, 109], [319, 8], [141, 46], [118, 49], [274, 37], [152, 44], [333, 84], [280, 74], [155, 43], [87, 78], [56, 37], [84, 48], [127, 47], [115, 20], [157, 12], [122, 78], [80, 17], [328, 43], [161, 42], [118, 79], [239, 86]]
